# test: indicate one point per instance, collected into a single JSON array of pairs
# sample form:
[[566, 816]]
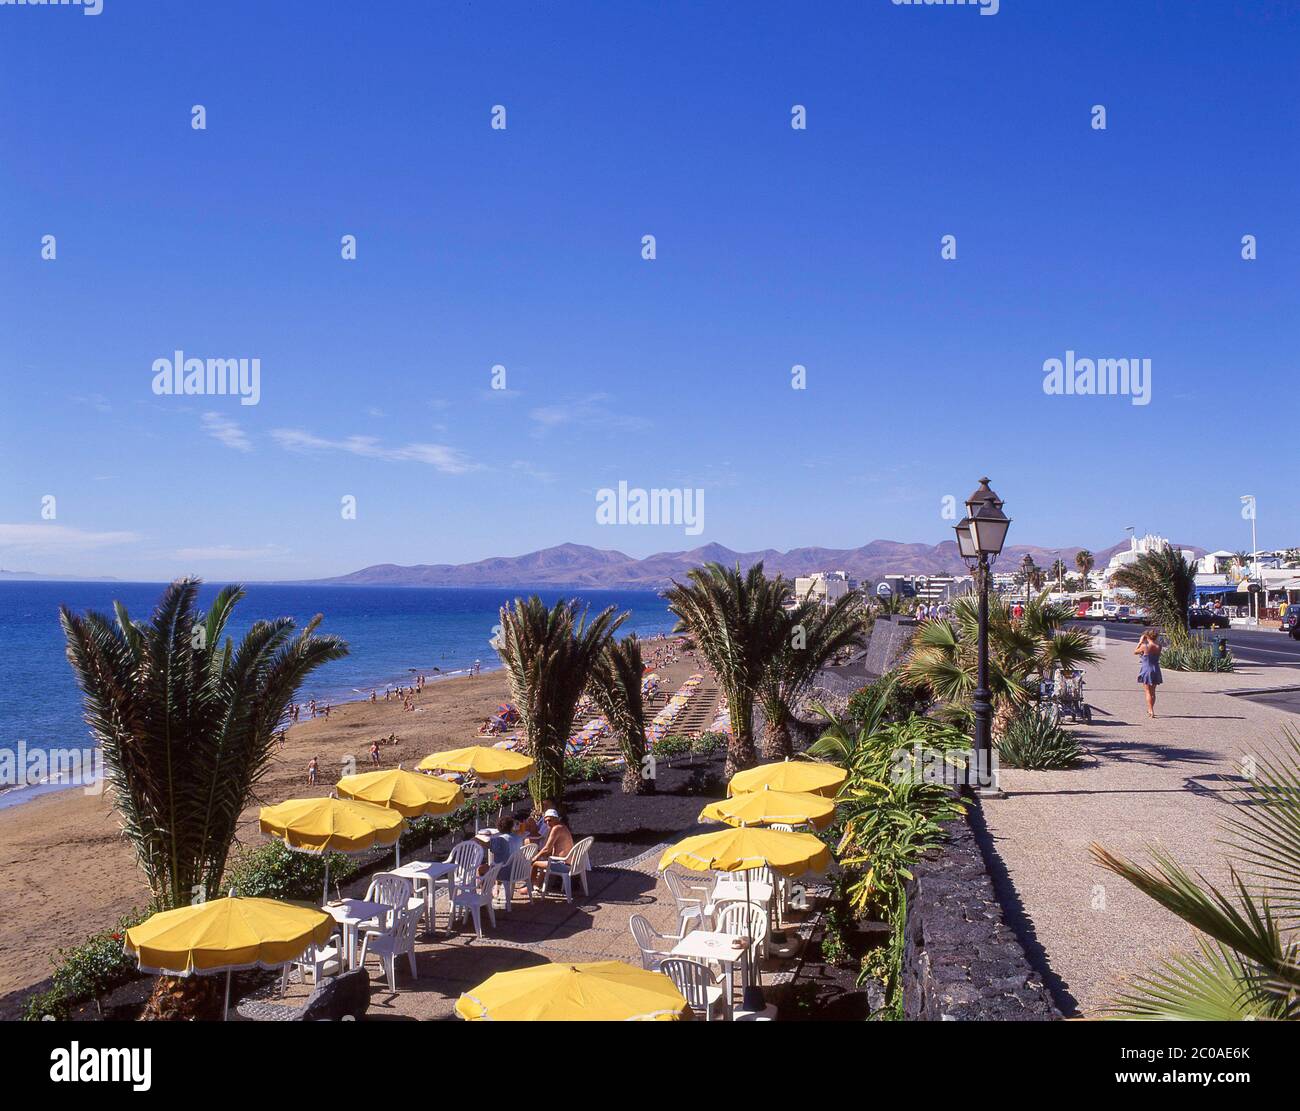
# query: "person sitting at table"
[[559, 840], [504, 843], [536, 826]]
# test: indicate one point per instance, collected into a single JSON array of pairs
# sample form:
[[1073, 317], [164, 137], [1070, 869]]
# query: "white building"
[[824, 586], [1138, 547]]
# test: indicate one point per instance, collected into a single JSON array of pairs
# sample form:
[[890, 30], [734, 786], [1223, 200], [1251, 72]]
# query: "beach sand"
[[66, 872]]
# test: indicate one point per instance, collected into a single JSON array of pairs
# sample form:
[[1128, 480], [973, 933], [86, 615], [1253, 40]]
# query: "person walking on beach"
[[312, 767], [374, 753], [1149, 676]]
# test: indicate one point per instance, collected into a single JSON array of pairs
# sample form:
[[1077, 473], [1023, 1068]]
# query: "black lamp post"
[[980, 537]]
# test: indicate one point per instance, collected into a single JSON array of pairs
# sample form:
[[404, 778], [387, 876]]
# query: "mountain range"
[[578, 565]]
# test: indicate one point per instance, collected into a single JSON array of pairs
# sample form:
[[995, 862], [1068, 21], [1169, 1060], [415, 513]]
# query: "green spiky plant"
[[942, 656], [813, 635], [1163, 582], [738, 625], [186, 724], [1247, 964], [549, 653], [615, 687]]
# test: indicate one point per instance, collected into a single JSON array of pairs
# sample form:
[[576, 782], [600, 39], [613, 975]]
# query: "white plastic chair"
[[397, 892], [746, 920], [572, 864], [390, 944], [318, 962], [689, 906], [696, 983], [648, 940], [517, 872], [475, 896], [467, 855]]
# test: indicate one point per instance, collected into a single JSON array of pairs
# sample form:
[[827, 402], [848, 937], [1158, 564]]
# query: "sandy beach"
[[66, 872]]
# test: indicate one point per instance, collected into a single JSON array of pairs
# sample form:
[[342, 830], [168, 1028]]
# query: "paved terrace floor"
[[1165, 782], [592, 928]]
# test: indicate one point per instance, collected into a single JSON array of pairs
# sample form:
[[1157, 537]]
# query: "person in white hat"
[[559, 840]]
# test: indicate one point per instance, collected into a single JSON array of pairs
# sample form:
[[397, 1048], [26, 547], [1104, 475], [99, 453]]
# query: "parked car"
[[1084, 609], [1291, 622], [1206, 617]]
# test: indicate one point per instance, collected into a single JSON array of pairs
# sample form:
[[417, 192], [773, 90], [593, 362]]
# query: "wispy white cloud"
[[226, 431], [52, 539], [448, 460], [532, 470], [591, 411]]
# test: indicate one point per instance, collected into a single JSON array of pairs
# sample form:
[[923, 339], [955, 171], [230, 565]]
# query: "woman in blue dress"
[[1149, 671]]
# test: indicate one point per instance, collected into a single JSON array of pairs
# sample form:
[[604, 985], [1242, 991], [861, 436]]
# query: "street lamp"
[[1248, 503], [980, 537]]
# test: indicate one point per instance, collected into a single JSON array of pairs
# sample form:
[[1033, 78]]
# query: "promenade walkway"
[[1165, 782]]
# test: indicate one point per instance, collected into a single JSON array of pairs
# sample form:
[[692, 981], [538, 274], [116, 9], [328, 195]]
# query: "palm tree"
[[1084, 562], [942, 656], [738, 624], [615, 686], [814, 634], [1248, 964], [1163, 582], [186, 726], [549, 654], [1058, 569]]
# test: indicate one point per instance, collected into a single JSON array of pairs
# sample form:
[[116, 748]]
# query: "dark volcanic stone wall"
[[961, 961]]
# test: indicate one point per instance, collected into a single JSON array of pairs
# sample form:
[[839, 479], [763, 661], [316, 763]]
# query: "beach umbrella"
[[607, 991], [328, 825], [483, 763], [223, 935], [411, 794], [807, 776], [743, 848], [767, 807]]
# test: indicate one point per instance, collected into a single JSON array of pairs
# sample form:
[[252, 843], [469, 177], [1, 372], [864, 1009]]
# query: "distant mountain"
[[577, 565], [36, 576]]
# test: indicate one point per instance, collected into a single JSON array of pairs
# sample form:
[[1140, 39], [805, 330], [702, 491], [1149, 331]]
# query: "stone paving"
[[1165, 782], [592, 928]]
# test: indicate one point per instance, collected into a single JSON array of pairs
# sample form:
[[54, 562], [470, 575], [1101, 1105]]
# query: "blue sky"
[[522, 247]]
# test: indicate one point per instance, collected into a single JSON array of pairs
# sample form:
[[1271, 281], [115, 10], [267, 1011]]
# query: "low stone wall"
[[961, 960]]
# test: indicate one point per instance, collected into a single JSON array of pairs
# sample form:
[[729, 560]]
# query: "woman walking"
[[1149, 671]]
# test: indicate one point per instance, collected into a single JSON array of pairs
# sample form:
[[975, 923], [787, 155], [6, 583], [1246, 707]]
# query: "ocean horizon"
[[393, 633]]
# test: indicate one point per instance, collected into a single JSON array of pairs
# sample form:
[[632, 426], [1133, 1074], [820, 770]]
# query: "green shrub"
[[898, 700], [86, 972], [672, 745], [272, 871], [707, 744], [1033, 740], [1195, 652], [586, 769]]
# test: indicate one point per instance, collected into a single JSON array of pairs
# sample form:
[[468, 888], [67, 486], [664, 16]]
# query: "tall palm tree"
[[814, 634], [942, 656], [1058, 569], [548, 654], [186, 726], [1084, 561], [1248, 963], [738, 625], [615, 686], [1163, 582]]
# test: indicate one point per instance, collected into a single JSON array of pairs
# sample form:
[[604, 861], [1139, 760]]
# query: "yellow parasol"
[[409, 793], [607, 991], [484, 763], [223, 935], [328, 825], [767, 807], [807, 776]]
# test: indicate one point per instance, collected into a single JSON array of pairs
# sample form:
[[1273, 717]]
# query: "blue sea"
[[392, 633]]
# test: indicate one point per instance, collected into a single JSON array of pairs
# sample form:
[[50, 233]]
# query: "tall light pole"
[[980, 537], [1248, 500]]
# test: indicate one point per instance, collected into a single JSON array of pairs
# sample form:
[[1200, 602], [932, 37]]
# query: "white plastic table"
[[349, 914], [428, 872], [713, 945]]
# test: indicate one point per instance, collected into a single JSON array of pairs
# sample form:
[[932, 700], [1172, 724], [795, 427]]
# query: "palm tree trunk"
[[547, 780], [777, 743], [186, 998], [634, 783], [740, 750]]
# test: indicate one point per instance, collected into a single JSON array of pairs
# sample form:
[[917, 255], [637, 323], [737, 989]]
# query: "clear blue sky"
[[523, 248]]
